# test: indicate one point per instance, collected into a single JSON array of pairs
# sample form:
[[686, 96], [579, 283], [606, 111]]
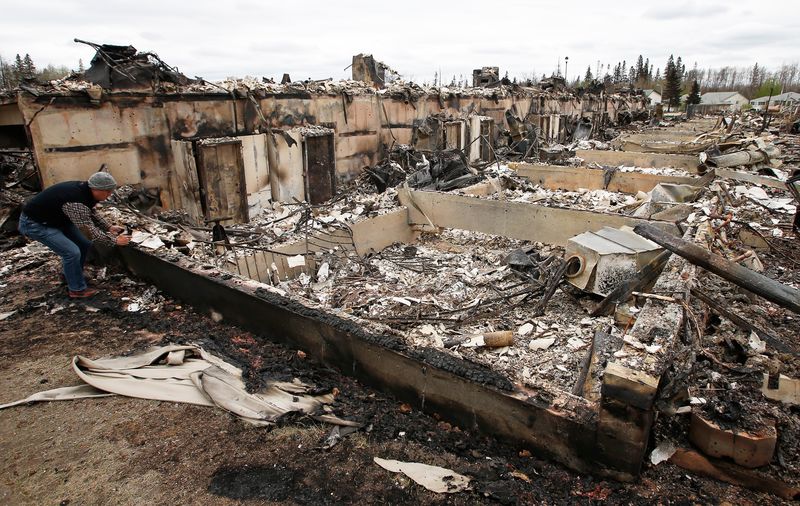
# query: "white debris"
[[296, 261], [541, 344], [152, 242], [401, 300], [323, 272], [525, 329], [663, 452], [575, 343], [756, 344], [436, 479], [653, 348]]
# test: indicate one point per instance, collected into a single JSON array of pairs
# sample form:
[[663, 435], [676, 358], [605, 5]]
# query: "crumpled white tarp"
[[183, 373]]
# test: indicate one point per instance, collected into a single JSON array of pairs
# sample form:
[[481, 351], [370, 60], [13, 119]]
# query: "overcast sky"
[[317, 39]]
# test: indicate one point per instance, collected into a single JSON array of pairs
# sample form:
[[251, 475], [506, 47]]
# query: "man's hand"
[[116, 229], [122, 240]]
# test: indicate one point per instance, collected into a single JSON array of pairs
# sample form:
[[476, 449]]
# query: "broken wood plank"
[[783, 295], [731, 473], [517, 220]]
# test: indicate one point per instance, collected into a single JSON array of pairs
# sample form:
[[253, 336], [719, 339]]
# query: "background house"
[[717, 101], [784, 99], [653, 97]]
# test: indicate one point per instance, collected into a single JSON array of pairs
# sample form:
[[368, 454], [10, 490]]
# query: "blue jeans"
[[68, 242]]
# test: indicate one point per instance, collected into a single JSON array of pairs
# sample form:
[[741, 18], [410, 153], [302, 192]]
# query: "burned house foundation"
[[594, 415], [483, 254]]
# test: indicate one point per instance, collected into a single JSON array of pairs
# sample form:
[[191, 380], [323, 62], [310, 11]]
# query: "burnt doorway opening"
[[220, 170], [320, 168]]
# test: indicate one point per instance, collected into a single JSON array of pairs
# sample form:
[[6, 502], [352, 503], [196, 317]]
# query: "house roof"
[[647, 93], [718, 97], [789, 96]]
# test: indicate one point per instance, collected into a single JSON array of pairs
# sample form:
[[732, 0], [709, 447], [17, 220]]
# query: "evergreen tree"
[[588, 77], [28, 68], [639, 74], [81, 68], [19, 68], [756, 78], [672, 85], [658, 75], [694, 95], [5, 75]]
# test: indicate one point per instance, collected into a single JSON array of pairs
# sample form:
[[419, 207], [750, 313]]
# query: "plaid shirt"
[[88, 222]]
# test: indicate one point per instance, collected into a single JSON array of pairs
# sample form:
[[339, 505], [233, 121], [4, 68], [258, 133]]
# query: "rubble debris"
[[773, 342], [485, 76], [783, 295], [371, 71], [434, 478], [440, 171], [541, 344], [123, 67]]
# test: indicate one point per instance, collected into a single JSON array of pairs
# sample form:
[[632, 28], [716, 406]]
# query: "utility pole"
[[566, 62]]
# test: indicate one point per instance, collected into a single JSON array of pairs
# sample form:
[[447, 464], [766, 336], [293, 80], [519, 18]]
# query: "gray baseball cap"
[[102, 181]]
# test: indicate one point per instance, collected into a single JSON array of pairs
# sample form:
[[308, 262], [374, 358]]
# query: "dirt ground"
[[129, 451]]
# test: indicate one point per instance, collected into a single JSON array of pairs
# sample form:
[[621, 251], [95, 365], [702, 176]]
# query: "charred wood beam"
[[783, 295], [580, 384]]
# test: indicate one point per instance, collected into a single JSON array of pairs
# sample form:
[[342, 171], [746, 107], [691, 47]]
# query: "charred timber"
[[776, 292]]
